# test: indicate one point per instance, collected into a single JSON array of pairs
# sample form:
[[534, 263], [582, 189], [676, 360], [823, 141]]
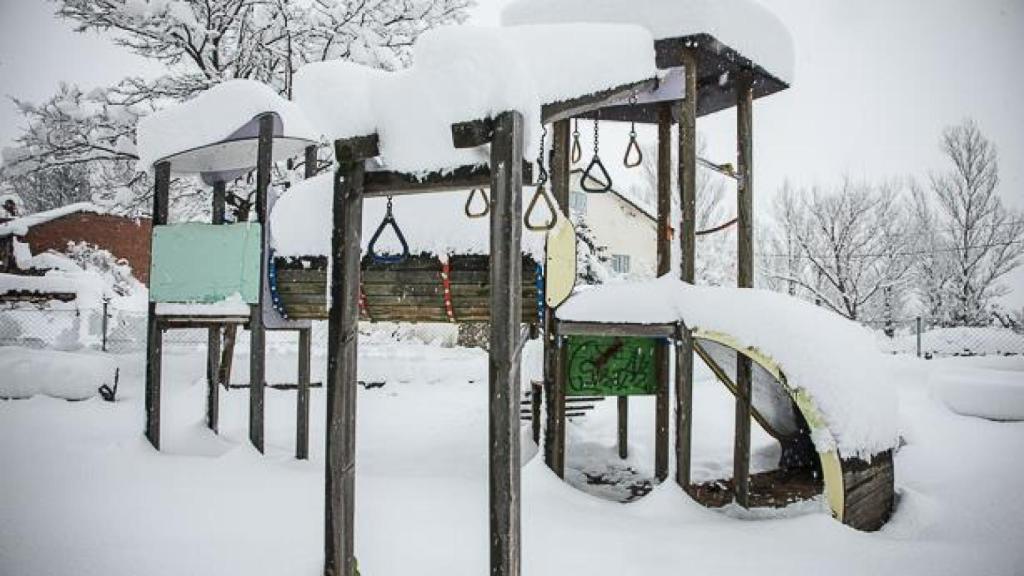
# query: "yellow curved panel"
[[560, 262], [831, 465]]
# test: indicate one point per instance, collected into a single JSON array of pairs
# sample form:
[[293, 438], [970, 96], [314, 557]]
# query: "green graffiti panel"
[[204, 263], [611, 366]]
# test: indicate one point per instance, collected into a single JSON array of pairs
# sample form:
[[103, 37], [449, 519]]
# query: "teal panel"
[[205, 263], [611, 366]]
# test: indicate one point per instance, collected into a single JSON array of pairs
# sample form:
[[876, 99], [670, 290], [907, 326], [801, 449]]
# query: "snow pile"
[[834, 360], [337, 97], [465, 73], [20, 226], [216, 115], [95, 275], [300, 223], [959, 341], [746, 26], [233, 305], [996, 394], [88, 287], [69, 375]]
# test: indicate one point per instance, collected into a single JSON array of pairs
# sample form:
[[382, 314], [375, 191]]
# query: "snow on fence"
[[125, 331], [915, 336]]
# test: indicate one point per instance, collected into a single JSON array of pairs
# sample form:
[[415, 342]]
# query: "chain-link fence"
[[125, 331], [919, 337]]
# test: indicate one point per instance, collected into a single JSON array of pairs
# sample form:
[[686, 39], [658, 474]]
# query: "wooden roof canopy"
[[719, 70], [719, 67]]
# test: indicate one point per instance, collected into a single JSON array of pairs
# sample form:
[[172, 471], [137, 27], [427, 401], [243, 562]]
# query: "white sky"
[[876, 81]]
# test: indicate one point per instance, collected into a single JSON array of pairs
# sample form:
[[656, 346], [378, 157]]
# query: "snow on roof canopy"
[[300, 223], [20, 226], [464, 73], [833, 359], [216, 132], [746, 26]]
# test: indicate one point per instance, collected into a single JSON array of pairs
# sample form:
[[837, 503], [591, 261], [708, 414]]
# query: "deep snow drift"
[[82, 492]]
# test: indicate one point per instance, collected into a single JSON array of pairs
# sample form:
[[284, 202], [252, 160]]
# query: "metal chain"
[[595, 136], [542, 173], [632, 124], [388, 213]]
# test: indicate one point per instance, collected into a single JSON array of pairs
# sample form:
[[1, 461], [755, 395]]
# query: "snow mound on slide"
[[834, 360]]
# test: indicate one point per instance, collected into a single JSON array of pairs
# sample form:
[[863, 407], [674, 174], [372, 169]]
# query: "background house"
[[621, 223], [53, 230]]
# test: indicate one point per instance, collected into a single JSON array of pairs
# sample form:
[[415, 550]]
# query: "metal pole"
[[918, 336], [104, 322]]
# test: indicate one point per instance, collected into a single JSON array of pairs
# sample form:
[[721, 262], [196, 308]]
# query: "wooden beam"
[[302, 397], [623, 436], [309, 162], [305, 352], [360, 147], [213, 335], [684, 404], [745, 279], [664, 266], [257, 333], [554, 431], [687, 168], [568, 109], [687, 174], [561, 385], [473, 133], [566, 328], [200, 322], [386, 183], [342, 354], [506, 316], [154, 338]]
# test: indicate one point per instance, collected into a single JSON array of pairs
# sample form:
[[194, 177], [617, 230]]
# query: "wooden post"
[[536, 392], [684, 403], [302, 401], [342, 352], [213, 346], [257, 334], [506, 317], [745, 279], [554, 431], [687, 167], [305, 352], [623, 405], [154, 336], [664, 266]]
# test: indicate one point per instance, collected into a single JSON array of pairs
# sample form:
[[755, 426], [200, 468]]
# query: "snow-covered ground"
[[82, 492]]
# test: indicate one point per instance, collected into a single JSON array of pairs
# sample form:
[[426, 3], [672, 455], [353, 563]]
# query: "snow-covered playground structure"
[[464, 117]]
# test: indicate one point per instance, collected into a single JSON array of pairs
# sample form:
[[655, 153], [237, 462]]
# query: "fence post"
[[918, 336], [104, 323]]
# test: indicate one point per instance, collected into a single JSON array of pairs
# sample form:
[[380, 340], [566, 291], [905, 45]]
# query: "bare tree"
[[715, 263], [852, 245], [983, 240], [202, 43]]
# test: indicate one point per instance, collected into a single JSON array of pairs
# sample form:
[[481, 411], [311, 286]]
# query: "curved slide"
[[819, 385]]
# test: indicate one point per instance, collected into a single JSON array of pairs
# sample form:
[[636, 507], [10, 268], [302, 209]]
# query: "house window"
[[620, 263], [577, 202]]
